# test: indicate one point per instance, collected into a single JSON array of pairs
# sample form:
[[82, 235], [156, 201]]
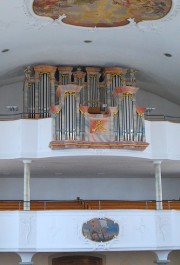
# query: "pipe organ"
[[39, 91], [91, 107]]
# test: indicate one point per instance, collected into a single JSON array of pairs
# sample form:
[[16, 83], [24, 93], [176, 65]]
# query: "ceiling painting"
[[102, 13]]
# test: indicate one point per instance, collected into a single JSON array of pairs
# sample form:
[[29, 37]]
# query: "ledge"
[[56, 145]]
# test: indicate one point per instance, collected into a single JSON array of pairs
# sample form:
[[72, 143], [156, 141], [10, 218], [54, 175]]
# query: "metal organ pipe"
[[138, 127], [33, 101], [81, 117], [67, 116], [71, 116], [131, 117], [127, 124], [95, 91], [47, 96], [92, 90], [132, 127], [44, 95], [74, 118]]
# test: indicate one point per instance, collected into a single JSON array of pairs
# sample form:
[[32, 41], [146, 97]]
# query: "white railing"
[[31, 138], [58, 231]]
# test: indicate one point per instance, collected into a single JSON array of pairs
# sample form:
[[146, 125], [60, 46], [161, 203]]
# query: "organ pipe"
[[102, 90]]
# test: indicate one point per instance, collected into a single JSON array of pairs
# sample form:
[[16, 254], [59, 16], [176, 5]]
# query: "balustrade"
[[88, 205]]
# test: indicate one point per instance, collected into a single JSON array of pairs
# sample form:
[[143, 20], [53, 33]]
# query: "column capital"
[[27, 161], [162, 257], [157, 162], [26, 258]]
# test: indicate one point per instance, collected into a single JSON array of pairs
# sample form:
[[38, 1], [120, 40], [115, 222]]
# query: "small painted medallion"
[[100, 229]]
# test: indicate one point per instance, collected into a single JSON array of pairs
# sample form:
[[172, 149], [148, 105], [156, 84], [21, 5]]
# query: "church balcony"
[[30, 138], [113, 230]]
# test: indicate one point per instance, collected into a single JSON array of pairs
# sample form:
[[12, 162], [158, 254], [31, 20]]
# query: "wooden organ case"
[[91, 107]]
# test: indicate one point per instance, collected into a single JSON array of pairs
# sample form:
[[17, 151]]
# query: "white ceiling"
[[89, 167], [34, 40]]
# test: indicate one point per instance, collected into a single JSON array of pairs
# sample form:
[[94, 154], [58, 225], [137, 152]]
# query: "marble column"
[[158, 184], [26, 184]]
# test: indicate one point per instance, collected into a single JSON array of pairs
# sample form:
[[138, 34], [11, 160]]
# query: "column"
[[158, 185], [27, 184], [26, 258]]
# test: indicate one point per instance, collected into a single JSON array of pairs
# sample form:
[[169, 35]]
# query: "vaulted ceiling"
[[150, 46], [144, 36]]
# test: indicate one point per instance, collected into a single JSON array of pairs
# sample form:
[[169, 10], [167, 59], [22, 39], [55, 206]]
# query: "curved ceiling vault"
[[139, 34]]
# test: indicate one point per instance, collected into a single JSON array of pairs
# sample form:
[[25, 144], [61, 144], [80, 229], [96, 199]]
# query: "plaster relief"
[[163, 227], [27, 232], [141, 228]]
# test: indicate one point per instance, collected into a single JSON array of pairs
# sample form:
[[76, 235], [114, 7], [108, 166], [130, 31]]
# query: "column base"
[[25, 263], [26, 206], [161, 262]]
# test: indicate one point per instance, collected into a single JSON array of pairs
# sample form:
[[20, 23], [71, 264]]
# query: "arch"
[[77, 260]]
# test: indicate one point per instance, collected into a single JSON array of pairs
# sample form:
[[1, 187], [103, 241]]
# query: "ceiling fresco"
[[102, 13]]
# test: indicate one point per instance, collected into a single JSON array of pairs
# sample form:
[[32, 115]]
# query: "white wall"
[[11, 95], [104, 188], [162, 106]]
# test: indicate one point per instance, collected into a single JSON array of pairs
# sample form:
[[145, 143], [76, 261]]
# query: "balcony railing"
[[23, 115], [162, 117], [17, 205]]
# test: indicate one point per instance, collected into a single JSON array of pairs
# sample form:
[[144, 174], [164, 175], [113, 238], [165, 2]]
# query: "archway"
[[77, 260]]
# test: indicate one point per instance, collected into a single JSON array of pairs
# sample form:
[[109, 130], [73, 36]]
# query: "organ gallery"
[[91, 107]]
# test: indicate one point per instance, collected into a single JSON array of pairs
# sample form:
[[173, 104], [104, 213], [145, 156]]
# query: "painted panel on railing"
[[58, 231], [100, 229]]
